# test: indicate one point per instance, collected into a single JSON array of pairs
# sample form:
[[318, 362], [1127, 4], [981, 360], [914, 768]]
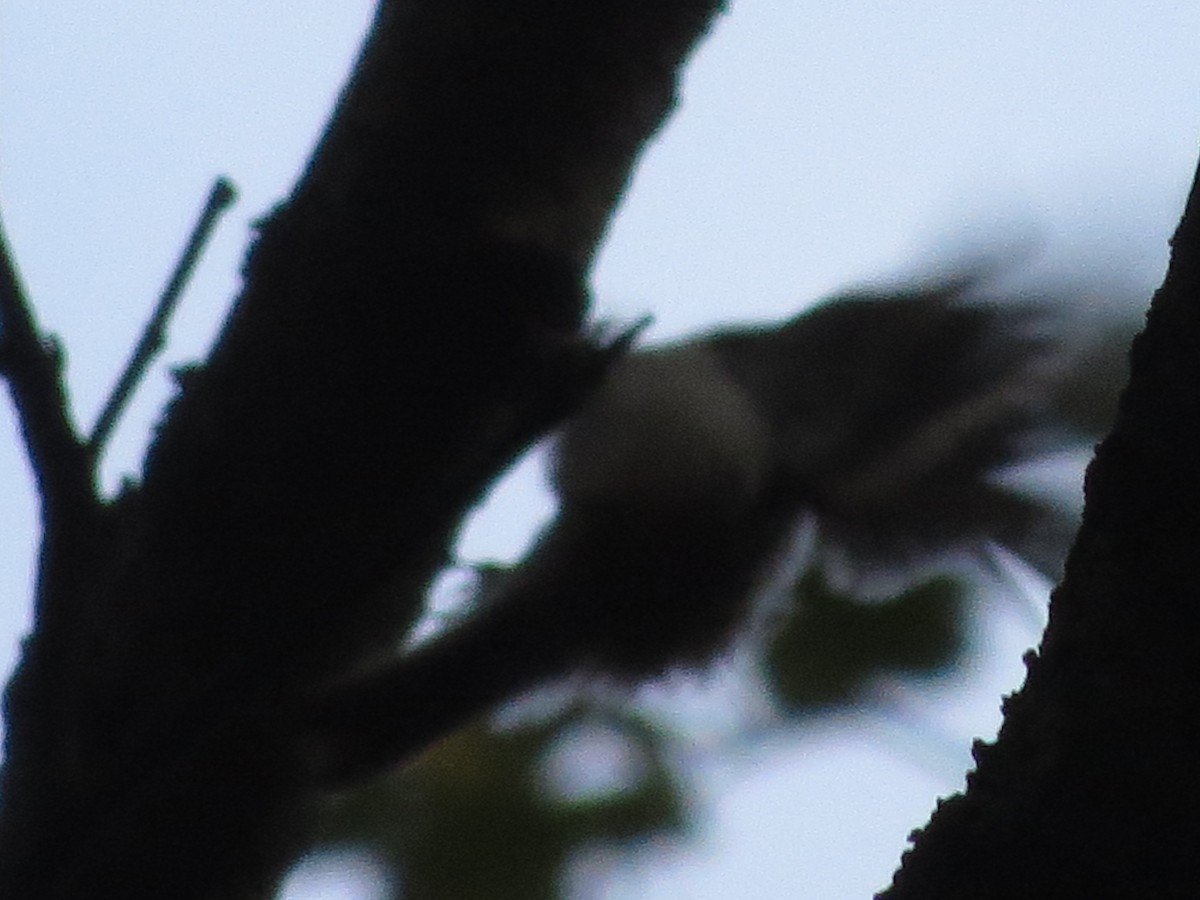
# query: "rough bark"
[[411, 319], [1091, 789]]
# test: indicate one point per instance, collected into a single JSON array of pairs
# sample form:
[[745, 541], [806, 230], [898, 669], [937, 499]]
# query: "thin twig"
[[153, 338], [32, 365]]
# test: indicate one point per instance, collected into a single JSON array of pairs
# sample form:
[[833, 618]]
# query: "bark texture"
[[1091, 789], [411, 319]]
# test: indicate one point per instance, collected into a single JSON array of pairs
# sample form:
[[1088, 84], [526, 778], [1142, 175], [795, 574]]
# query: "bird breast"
[[668, 431]]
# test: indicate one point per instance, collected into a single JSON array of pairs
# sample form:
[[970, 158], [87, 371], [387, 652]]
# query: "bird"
[[882, 416]]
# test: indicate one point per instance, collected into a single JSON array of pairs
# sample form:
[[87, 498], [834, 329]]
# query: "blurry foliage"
[[835, 644], [478, 816]]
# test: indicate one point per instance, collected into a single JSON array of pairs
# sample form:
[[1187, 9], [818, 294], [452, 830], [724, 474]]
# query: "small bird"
[[881, 416]]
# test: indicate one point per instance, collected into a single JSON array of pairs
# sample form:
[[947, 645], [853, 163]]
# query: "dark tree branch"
[[32, 364], [1091, 789], [33, 777], [154, 335], [410, 321]]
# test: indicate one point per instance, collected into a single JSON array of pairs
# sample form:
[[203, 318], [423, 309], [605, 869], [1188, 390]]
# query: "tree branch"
[[32, 364], [410, 321], [1091, 787], [154, 335]]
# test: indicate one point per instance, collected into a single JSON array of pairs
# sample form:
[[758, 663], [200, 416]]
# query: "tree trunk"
[[1091, 789], [410, 321]]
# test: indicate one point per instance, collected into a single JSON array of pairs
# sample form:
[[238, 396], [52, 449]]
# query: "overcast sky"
[[817, 145]]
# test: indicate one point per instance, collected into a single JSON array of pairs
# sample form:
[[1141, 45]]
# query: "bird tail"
[[895, 411]]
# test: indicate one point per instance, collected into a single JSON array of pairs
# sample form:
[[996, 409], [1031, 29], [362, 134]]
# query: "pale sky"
[[817, 145]]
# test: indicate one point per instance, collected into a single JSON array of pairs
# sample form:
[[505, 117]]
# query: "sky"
[[817, 145]]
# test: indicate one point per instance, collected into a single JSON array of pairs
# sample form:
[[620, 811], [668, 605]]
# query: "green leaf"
[[835, 644], [478, 817]]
